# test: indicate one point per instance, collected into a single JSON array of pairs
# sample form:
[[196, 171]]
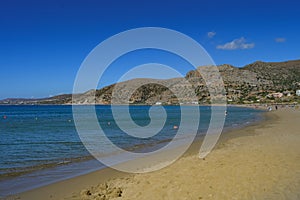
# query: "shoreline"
[[90, 159], [188, 104], [88, 180]]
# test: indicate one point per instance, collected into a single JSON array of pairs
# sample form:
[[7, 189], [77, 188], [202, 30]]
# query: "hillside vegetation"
[[259, 82]]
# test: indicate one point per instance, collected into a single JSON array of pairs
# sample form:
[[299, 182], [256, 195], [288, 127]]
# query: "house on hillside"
[[298, 92], [275, 95]]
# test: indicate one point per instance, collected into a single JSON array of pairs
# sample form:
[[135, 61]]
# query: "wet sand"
[[261, 161]]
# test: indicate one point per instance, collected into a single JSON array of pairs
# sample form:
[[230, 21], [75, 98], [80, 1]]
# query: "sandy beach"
[[261, 161]]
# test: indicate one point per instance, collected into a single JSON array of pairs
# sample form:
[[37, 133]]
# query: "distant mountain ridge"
[[256, 82]]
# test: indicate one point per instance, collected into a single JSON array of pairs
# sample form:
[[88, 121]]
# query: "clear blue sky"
[[42, 43]]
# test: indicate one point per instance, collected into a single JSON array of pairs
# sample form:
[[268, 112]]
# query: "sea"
[[40, 145]]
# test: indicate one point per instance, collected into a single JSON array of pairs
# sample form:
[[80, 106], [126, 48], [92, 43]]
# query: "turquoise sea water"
[[41, 141]]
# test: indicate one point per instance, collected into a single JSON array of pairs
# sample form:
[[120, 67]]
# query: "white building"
[[298, 92], [275, 95]]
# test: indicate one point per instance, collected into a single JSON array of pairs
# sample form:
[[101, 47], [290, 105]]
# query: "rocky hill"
[[257, 82], [283, 75]]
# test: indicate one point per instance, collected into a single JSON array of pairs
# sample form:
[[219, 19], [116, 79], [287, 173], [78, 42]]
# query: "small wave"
[[42, 143], [6, 173]]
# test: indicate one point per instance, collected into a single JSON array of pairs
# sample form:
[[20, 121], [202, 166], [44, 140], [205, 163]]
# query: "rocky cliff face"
[[283, 75], [252, 83]]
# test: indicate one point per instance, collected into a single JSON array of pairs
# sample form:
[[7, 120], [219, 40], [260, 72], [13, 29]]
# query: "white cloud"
[[280, 40], [211, 34], [239, 43]]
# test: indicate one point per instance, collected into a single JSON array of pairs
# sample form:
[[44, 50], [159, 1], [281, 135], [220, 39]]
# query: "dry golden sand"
[[263, 164]]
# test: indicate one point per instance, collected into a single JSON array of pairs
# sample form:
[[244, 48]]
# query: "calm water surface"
[[41, 141]]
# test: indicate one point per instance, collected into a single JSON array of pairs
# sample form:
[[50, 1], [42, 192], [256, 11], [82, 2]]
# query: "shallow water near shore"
[[40, 145]]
